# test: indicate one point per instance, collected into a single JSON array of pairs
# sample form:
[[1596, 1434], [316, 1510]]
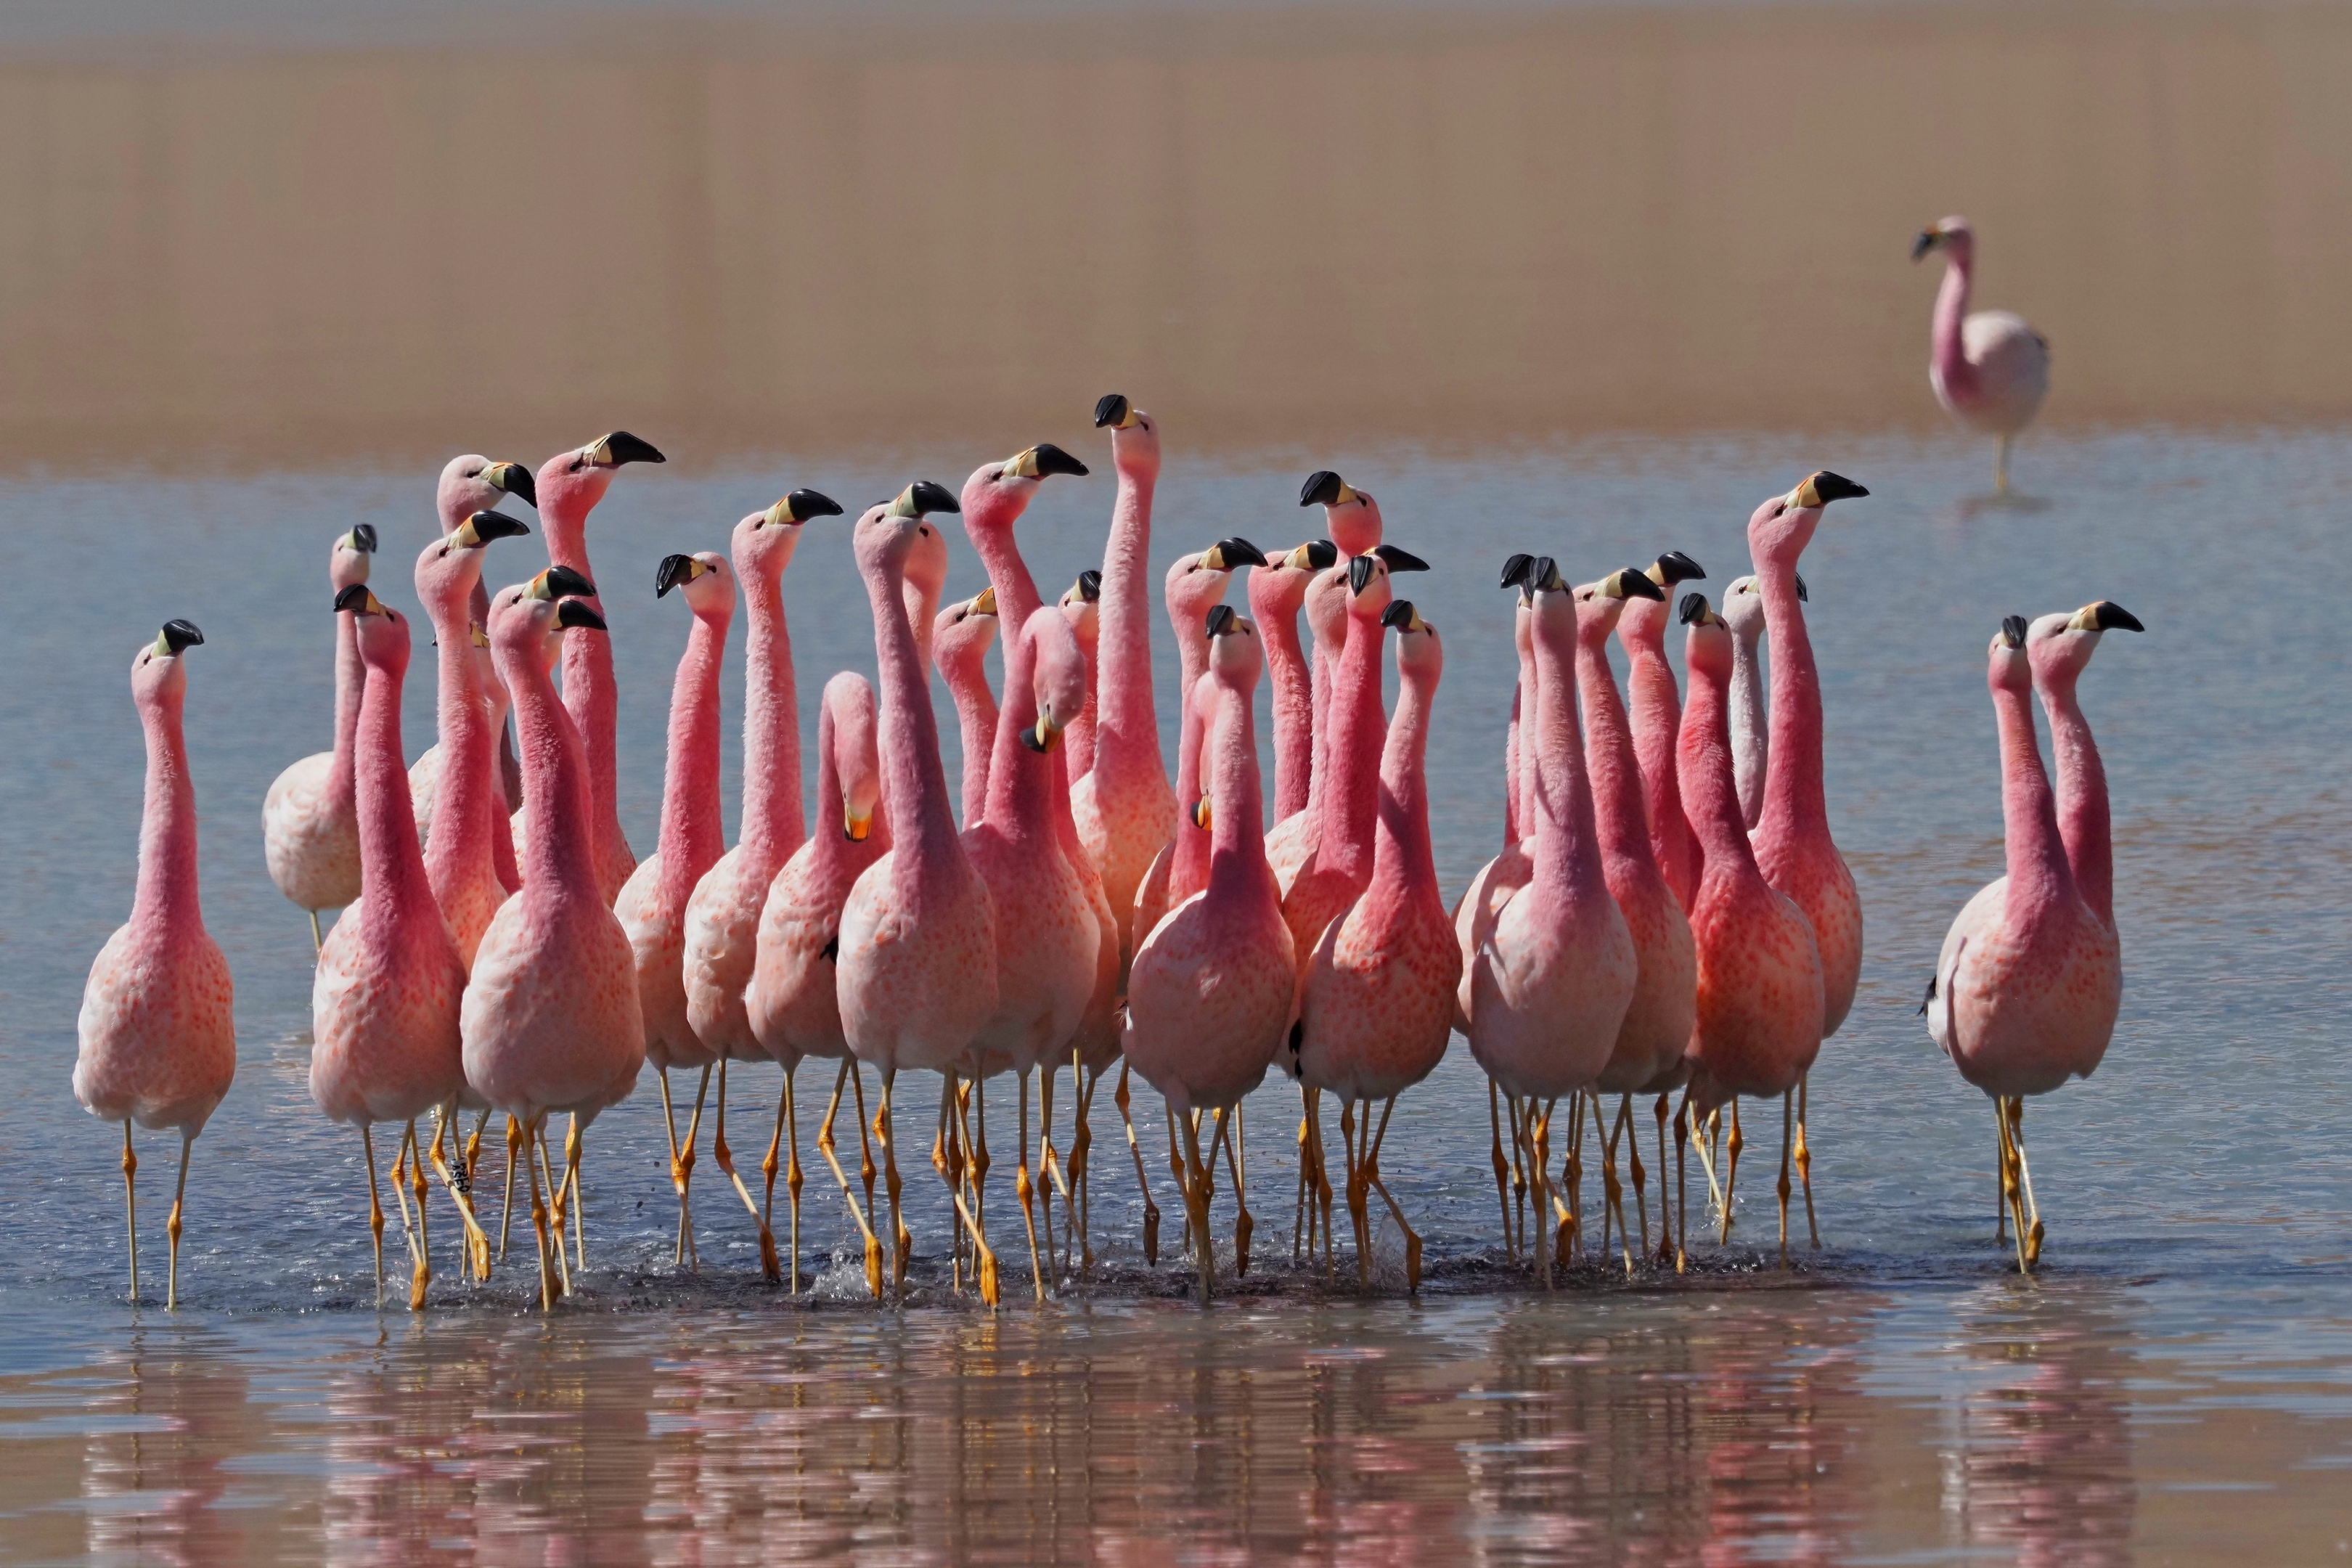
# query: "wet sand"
[[1291, 230]]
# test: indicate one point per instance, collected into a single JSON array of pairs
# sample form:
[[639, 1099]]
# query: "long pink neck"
[[1750, 746], [1614, 772], [1008, 574], [692, 833], [167, 904], [393, 888], [557, 853], [773, 826], [2081, 799], [1518, 755], [351, 680], [2039, 875], [468, 799], [1793, 802], [501, 807], [1020, 793], [1319, 781], [1658, 721], [1188, 872], [1345, 829], [1511, 830], [1710, 799], [1568, 843], [1078, 740], [1238, 867], [1403, 870], [976, 715], [1294, 706], [1949, 357], [1127, 726], [914, 782], [590, 692]]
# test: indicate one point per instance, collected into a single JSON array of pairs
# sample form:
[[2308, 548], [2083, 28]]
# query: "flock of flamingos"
[[1668, 910]]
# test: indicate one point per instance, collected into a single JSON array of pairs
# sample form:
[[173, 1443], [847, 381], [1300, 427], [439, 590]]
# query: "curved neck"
[[351, 680], [1078, 740], [1345, 829], [1402, 862], [976, 716], [2036, 854], [692, 838], [2081, 799], [1793, 802], [393, 884], [166, 894], [1127, 729], [468, 797], [1749, 748], [1237, 867], [556, 853], [1293, 712], [1948, 356], [915, 785], [1614, 773], [1008, 574], [773, 823], [1709, 800], [1019, 794], [563, 519], [1567, 844]]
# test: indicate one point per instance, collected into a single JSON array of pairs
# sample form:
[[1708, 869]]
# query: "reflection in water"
[[165, 1413]]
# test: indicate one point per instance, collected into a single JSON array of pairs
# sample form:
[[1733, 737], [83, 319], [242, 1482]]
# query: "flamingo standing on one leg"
[[916, 973], [310, 827], [158, 1025], [652, 904], [1213, 990], [960, 637], [1760, 970], [1793, 848], [384, 1003], [1376, 1003], [794, 1009], [2031, 976], [569, 486], [1657, 720], [1989, 369], [471, 484], [551, 1020], [1277, 591], [722, 915], [461, 862]]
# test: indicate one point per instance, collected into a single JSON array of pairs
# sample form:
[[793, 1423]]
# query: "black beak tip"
[[570, 615], [492, 525], [806, 504], [1360, 573], [1109, 409], [364, 538], [672, 571], [519, 482], [1399, 612], [565, 583], [1637, 585], [1322, 554], [1090, 585], [2114, 617], [1676, 567], [1321, 489], [931, 497], [2012, 630], [1220, 617], [1921, 245], [1400, 560], [1515, 569], [629, 448], [1052, 459], [1694, 609], [1239, 551], [351, 597], [1832, 487], [179, 636]]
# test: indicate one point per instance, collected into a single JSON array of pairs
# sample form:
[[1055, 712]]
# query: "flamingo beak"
[[1114, 412], [2106, 615], [620, 447], [1928, 239], [176, 637], [984, 601], [1040, 461], [359, 601], [513, 478], [484, 526], [856, 828], [1044, 736], [1820, 489], [575, 614], [1326, 488], [1201, 815]]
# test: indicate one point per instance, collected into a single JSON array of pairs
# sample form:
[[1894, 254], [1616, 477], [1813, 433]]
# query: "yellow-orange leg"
[[824, 1147], [793, 1176], [1396, 1210], [131, 1204], [317, 939], [420, 1189], [171, 1226], [1176, 1165], [1707, 1133], [2000, 1175], [1024, 1190], [679, 1169], [961, 1158], [505, 1218], [375, 1210], [458, 1176], [1143, 1183], [1575, 1172], [1805, 1164], [1502, 1166], [1632, 1140], [1666, 1253], [1519, 1145], [723, 1157], [555, 1201], [2025, 1179], [1613, 1206], [947, 1159], [530, 1143], [1050, 1176], [400, 1196], [1302, 1233], [578, 1209], [867, 1169], [1788, 1147], [1567, 1225], [1196, 1178], [1683, 1117], [1229, 1129], [1534, 1123], [1730, 1173], [882, 1133], [1082, 1142]]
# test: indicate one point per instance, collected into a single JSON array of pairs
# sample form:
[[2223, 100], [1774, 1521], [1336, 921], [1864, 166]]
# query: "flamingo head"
[[704, 580], [1277, 588], [475, 483], [572, 482], [1952, 235], [1197, 581], [1599, 604], [1057, 678], [1778, 530], [1367, 578], [897, 533], [997, 493], [1707, 650], [764, 542], [351, 557], [1327, 609], [528, 619], [2060, 646], [1421, 658], [1134, 437], [960, 640], [1236, 653], [1643, 622], [157, 676], [1351, 517], [857, 752], [382, 631], [450, 566], [2010, 669]]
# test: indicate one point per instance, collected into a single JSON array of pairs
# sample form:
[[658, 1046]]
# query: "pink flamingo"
[[470, 484], [722, 915], [916, 970], [1760, 970], [1327, 619], [2060, 647], [310, 827], [158, 1024], [1649, 1049], [1792, 843], [792, 1003], [960, 637], [2027, 987], [1657, 720], [1082, 608], [1743, 612], [1552, 980], [1213, 992], [569, 486], [551, 1020], [461, 863], [384, 1003], [1277, 591], [1496, 882], [1376, 1004], [1124, 807], [652, 904], [1989, 369]]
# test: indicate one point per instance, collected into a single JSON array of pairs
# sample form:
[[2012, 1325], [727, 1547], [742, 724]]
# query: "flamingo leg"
[[882, 1132], [529, 1140], [867, 1169], [686, 1160], [771, 1269], [1804, 1158], [1682, 1184], [1568, 1233], [976, 1093], [1788, 1145], [824, 1147], [957, 1108], [1081, 1139], [1176, 1163], [1358, 1220], [2030, 1221], [400, 1196], [1300, 1236], [1026, 1192], [578, 1208], [318, 941], [375, 1210], [1611, 1195], [1534, 1127], [1666, 1199], [792, 1174], [1050, 1175], [506, 1219], [677, 1170], [1196, 1176], [1242, 1224], [172, 1226], [1502, 1166], [1143, 1183], [546, 1169], [1322, 1178], [458, 1176], [1517, 1226], [1707, 1132], [422, 1190], [1632, 1134], [2000, 1175], [1396, 1210], [1731, 1172]]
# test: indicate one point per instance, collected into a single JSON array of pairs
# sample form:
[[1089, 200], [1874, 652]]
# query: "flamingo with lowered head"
[[551, 1020], [652, 904], [1082, 608], [1990, 371], [2027, 987], [309, 826], [384, 1001], [158, 1024], [1213, 989]]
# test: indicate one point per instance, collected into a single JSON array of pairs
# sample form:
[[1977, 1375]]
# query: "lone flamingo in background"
[[550, 1021], [1277, 591], [310, 827], [1213, 993], [960, 637], [792, 1006], [384, 1001], [470, 484], [1376, 1003], [461, 862], [652, 904], [1792, 843], [722, 916], [1552, 980], [1657, 720], [158, 1024], [569, 486], [2031, 976], [1760, 970], [916, 972], [1082, 608], [1989, 369]]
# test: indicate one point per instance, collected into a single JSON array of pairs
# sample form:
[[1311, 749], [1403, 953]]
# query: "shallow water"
[[1897, 1398]]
